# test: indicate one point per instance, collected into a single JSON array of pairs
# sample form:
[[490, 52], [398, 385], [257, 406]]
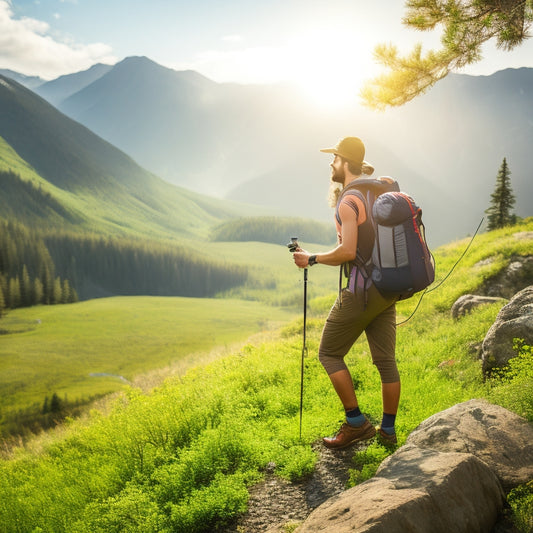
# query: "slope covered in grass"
[[85, 350], [180, 458]]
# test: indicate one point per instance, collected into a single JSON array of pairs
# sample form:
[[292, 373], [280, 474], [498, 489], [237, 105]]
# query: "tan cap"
[[350, 148]]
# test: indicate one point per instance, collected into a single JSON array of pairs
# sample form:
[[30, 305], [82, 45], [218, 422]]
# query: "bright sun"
[[331, 67]]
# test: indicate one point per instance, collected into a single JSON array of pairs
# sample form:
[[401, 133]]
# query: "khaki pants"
[[345, 323]]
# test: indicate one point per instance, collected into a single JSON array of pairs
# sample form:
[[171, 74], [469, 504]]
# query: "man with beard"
[[359, 307]]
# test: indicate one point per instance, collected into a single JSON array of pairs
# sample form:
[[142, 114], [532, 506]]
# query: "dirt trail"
[[275, 501]]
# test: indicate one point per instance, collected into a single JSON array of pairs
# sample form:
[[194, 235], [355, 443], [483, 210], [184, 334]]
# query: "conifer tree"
[[55, 403], [502, 200], [57, 292], [38, 292], [14, 299], [26, 288], [48, 285], [467, 25]]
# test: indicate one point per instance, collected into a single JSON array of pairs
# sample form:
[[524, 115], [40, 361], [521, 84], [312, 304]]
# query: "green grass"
[[180, 457], [48, 349], [152, 208]]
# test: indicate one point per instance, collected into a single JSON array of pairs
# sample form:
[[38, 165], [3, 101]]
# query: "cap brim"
[[329, 150]]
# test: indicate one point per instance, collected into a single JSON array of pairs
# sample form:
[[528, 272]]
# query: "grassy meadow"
[[85, 350], [180, 457]]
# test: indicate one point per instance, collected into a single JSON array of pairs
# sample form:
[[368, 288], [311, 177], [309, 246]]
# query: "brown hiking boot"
[[387, 439], [349, 435]]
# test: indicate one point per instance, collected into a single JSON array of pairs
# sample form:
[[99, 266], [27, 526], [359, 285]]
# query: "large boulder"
[[416, 490], [450, 476], [496, 436], [464, 304], [515, 320]]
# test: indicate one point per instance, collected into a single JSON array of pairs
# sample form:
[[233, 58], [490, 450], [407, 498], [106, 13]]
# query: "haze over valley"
[[259, 144]]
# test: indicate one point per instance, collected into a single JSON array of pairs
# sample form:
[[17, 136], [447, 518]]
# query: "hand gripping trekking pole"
[[293, 246]]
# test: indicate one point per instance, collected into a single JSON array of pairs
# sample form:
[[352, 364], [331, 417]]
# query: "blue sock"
[[354, 417], [387, 423]]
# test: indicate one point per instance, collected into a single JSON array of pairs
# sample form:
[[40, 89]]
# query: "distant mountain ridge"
[[61, 88], [92, 181], [31, 82], [259, 144], [78, 212]]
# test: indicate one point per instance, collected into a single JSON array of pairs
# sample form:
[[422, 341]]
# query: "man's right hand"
[[301, 258]]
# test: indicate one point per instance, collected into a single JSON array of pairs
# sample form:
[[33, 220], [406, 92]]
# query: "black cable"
[[460, 258]]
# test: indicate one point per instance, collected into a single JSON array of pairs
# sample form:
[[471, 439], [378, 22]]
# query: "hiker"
[[359, 306]]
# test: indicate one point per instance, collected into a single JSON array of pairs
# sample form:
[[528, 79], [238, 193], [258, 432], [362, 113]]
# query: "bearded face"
[[337, 170]]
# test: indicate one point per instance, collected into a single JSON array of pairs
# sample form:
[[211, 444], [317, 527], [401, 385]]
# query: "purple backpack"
[[401, 263]]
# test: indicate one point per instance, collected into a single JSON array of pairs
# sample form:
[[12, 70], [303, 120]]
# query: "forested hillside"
[[105, 266], [50, 267], [27, 271], [79, 218]]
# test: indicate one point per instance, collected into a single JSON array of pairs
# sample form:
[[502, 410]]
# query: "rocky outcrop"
[[467, 302], [416, 490], [496, 436], [448, 477], [515, 320]]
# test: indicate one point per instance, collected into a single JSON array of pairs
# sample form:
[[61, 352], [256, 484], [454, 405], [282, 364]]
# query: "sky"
[[306, 42]]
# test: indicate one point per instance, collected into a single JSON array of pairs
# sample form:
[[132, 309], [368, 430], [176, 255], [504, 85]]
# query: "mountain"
[[259, 144], [57, 90], [181, 125], [59, 167], [31, 82], [459, 133]]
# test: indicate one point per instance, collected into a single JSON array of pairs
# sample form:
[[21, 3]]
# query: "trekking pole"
[[293, 246], [304, 351]]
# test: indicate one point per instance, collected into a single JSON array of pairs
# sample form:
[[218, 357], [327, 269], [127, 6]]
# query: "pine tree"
[[466, 26], [38, 292], [55, 403], [502, 200], [26, 288], [14, 299], [57, 292]]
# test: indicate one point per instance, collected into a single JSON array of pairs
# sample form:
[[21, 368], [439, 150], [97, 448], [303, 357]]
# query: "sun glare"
[[330, 67]]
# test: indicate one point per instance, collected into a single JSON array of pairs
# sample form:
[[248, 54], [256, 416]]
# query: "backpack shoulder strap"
[[369, 189], [375, 185]]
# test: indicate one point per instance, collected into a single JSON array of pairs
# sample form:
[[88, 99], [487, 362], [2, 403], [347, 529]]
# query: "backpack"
[[401, 263]]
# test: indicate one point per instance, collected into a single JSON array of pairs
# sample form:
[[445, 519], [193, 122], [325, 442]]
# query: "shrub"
[[512, 387]]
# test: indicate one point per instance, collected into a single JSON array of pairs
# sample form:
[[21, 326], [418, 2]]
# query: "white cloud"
[[26, 46]]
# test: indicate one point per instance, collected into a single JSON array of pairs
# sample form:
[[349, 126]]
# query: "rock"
[[514, 278], [416, 490], [515, 320], [496, 436], [467, 302]]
